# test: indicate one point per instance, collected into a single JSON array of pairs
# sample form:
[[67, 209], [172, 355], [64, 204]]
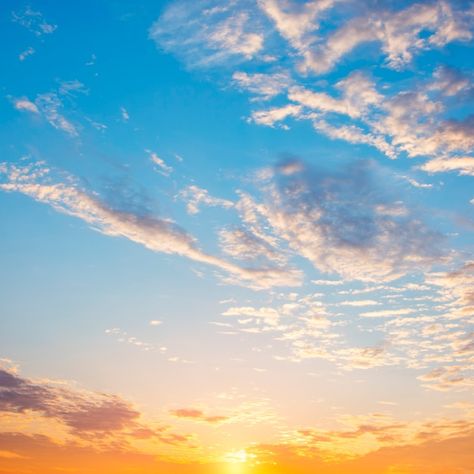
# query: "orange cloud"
[[197, 415]]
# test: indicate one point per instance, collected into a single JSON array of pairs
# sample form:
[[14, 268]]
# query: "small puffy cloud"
[[163, 168], [198, 415], [26, 53], [124, 113], [155, 322], [26, 105]]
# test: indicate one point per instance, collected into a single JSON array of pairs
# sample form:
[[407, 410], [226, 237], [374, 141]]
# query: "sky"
[[237, 237]]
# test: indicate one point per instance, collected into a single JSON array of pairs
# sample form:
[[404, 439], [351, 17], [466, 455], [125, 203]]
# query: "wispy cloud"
[[194, 196], [33, 21], [155, 233]]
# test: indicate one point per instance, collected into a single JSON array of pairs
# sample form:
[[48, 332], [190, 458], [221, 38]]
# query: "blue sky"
[[243, 206]]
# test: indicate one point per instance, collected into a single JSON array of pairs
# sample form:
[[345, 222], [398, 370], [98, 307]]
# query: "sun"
[[238, 461], [235, 457]]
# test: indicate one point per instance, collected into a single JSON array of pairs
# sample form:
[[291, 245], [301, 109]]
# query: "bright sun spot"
[[237, 456]]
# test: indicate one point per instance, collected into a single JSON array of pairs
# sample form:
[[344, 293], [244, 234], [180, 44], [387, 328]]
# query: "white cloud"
[[124, 114], [207, 33], [357, 303], [265, 86], [461, 164], [24, 54], [417, 184], [398, 32], [195, 196], [358, 94], [243, 244], [27, 105], [33, 21], [49, 104], [387, 313], [163, 168], [295, 21], [271, 116]]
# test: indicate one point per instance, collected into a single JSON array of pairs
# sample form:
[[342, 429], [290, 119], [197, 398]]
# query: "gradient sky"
[[237, 237]]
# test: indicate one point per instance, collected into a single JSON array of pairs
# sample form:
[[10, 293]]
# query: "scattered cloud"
[[33, 21], [155, 233], [26, 105], [198, 415], [26, 53], [225, 35], [195, 196], [163, 168]]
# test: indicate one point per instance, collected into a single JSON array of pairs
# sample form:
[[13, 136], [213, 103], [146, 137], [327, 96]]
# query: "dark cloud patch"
[[80, 412], [354, 222]]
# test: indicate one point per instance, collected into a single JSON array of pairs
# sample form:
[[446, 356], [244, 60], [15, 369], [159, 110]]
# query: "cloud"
[[50, 105], [450, 81], [124, 114], [266, 86], [357, 303], [447, 378], [26, 53], [464, 165], [194, 196], [401, 34], [296, 22], [356, 135], [163, 168], [269, 315], [26, 105], [243, 244], [276, 114], [458, 285], [417, 184], [358, 94], [387, 313], [207, 33], [154, 233], [197, 415], [81, 412], [330, 219], [33, 21]]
